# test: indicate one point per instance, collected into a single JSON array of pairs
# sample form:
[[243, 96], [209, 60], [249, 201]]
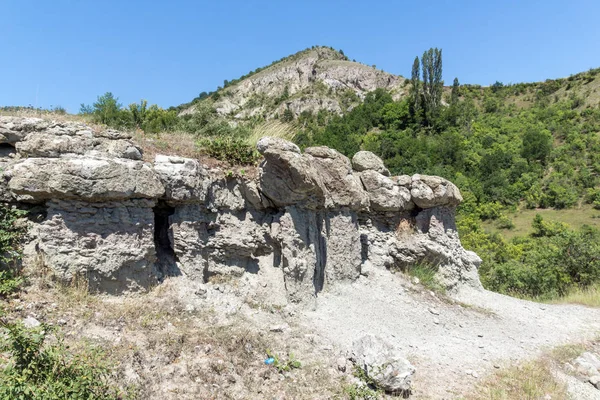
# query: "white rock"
[[31, 322], [383, 363]]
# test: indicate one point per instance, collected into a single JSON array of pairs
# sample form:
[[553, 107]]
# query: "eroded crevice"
[[165, 253], [364, 247], [321, 255]]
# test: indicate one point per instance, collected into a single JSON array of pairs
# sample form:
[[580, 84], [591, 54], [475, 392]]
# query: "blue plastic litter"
[[269, 361]]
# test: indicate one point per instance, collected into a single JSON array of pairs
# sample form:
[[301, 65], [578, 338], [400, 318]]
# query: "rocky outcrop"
[[316, 217]]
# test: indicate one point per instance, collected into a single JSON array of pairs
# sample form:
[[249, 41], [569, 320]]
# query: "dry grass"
[[532, 380], [272, 128], [176, 351], [567, 352], [180, 144], [587, 297], [46, 114]]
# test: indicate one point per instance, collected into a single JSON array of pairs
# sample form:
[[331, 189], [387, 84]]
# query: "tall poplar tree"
[[416, 87], [431, 64]]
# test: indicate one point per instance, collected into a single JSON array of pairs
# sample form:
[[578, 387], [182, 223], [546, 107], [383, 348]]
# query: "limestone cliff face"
[[311, 219], [312, 80]]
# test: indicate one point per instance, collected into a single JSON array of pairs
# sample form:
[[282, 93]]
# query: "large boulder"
[[384, 193], [433, 191], [368, 161], [344, 189], [277, 144], [383, 364], [83, 178], [587, 365], [287, 177], [80, 143]]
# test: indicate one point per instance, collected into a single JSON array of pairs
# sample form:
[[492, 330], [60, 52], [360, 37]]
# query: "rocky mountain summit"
[[305, 222], [315, 79]]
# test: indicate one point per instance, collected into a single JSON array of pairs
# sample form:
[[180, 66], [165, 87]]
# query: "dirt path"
[[451, 345]]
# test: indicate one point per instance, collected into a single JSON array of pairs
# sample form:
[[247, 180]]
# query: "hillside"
[[583, 88], [314, 79], [321, 78]]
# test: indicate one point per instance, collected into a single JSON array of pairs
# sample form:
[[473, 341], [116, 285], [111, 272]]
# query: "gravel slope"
[[452, 344]]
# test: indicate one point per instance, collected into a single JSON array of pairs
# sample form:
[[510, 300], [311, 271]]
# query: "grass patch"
[[425, 273], [522, 219], [568, 352], [589, 296], [532, 380], [9, 283], [366, 390]]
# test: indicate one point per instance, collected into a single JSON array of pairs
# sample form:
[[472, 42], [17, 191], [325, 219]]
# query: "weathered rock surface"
[[57, 139], [382, 363], [108, 244], [184, 179], [342, 187], [433, 191], [86, 178], [316, 217], [384, 193]]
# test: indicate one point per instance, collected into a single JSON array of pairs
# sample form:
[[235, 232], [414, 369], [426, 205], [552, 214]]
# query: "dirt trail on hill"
[[452, 345]]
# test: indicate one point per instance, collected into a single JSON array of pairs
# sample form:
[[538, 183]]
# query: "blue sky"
[[67, 52]]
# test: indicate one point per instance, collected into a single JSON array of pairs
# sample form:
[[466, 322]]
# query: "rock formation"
[[312, 218]]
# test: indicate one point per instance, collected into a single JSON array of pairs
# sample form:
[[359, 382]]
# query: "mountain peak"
[[314, 79]]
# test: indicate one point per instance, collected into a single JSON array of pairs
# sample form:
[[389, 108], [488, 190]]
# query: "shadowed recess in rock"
[[166, 258]]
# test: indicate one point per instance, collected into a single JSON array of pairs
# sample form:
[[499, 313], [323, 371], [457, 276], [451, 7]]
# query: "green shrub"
[[366, 390], [284, 365], [232, 150], [505, 222], [9, 282], [36, 370], [489, 210], [551, 263]]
